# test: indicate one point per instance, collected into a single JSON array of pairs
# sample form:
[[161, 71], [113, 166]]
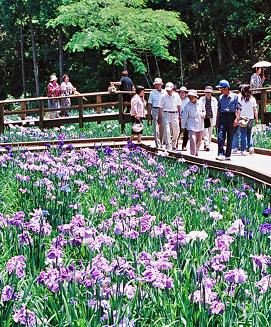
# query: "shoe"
[[174, 149], [228, 158], [243, 153], [251, 150], [207, 148], [184, 149], [234, 150], [220, 157]]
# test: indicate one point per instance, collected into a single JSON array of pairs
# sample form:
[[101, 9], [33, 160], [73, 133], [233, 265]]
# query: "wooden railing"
[[97, 101]]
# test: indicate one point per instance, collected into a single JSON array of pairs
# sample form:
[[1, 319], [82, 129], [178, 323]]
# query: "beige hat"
[[193, 93], [53, 78], [169, 86], [158, 80], [183, 88], [208, 89]]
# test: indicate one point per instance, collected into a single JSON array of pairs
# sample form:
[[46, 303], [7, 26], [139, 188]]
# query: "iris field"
[[123, 238]]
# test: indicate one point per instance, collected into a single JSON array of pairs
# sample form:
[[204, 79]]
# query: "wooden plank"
[[99, 108], [41, 114], [263, 104], [81, 112], [21, 112], [23, 109], [2, 119]]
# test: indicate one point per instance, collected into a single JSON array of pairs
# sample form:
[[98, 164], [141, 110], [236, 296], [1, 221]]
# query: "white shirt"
[[170, 102], [193, 116], [248, 107], [155, 96]]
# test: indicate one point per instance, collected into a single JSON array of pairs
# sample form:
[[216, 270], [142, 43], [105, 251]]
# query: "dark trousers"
[[225, 128], [183, 131]]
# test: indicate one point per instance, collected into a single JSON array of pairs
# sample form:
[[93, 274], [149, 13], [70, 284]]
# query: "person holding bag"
[[138, 104], [249, 111]]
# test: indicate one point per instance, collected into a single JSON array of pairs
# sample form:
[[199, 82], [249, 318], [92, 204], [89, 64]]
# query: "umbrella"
[[262, 64]]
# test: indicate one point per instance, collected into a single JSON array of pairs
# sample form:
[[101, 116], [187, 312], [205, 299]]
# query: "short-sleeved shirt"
[[248, 107], [126, 84], [53, 89], [155, 96], [170, 103], [229, 103]]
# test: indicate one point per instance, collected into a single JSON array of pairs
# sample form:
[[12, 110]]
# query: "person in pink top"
[[138, 104]]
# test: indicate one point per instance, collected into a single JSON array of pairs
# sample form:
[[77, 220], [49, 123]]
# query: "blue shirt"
[[229, 103]]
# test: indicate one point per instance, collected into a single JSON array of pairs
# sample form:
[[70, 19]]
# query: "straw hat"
[[193, 93], [53, 78]]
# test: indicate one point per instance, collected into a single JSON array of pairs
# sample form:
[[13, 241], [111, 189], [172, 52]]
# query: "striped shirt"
[[256, 82], [155, 96]]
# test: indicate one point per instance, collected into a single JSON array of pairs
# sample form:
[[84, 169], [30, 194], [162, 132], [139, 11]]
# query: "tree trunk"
[[251, 45], [61, 55], [220, 50], [195, 51], [34, 55], [22, 58]]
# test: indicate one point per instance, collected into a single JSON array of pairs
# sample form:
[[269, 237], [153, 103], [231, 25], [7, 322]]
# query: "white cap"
[[208, 89], [183, 88], [169, 86], [158, 80], [193, 93]]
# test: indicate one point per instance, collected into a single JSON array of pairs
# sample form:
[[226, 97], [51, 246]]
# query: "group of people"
[[55, 90], [175, 112]]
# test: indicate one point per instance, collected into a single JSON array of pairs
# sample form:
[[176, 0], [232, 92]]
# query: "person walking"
[[248, 113], [183, 95], [66, 89], [228, 113], [210, 103], [256, 81], [169, 115], [153, 110], [53, 90], [193, 120], [138, 104]]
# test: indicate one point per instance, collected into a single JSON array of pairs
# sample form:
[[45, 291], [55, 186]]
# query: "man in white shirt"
[[169, 115], [153, 109]]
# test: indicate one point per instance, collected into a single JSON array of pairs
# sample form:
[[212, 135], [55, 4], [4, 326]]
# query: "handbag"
[[243, 121], [137, 127]]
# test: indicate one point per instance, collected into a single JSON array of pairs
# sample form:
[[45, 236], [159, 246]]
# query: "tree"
[[124, 30]]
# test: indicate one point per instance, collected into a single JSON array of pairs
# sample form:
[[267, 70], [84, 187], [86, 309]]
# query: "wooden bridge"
[[99, 102]]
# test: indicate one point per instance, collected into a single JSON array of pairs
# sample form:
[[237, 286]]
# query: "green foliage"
[[123, 30]]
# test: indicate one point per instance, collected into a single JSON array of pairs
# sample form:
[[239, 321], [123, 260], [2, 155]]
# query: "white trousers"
[[170, 122], [207, 134]]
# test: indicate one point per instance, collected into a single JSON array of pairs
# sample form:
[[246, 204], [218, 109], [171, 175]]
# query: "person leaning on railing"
[[53, 90], [66, 89]]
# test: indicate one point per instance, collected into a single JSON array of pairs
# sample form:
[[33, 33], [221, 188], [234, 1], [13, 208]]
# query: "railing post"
[[2, 118], [99, 109], [23, 108], [263, 104], [41, 114], [81, 113], [121, 112]]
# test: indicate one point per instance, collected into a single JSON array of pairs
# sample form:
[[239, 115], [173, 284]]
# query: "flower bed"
[[90, 130], [262, 137], [122, 238]]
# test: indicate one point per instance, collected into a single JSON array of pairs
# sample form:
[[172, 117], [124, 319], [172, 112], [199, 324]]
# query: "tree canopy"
[[194, 42], [123, 30]]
